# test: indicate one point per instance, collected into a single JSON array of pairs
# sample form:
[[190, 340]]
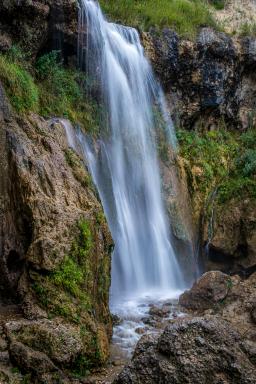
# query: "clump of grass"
[[19, 85], [185, 16], [49, 89], [248, 29]]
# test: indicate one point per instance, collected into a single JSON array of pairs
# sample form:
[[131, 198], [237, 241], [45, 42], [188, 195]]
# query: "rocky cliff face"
[[208, 80], [210, 85], [39, 26], [55, 252]]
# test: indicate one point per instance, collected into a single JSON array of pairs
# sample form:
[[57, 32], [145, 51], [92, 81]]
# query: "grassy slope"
[[185, 16]]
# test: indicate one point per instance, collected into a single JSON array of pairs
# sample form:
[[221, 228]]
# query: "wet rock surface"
[[232, 246], [214, 341]]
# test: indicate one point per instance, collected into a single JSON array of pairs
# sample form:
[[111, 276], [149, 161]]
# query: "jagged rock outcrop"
[[208, 82], [196, 351], [55, 250], [209, 290]]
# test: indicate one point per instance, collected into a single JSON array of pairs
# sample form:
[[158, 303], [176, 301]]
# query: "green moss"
[[185, 16], [78, 168], [82, 366], [78, 284]]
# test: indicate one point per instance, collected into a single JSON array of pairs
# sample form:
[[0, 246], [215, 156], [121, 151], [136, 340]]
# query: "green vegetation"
[[247, 29], [19, 85], [75, 290], [185, 16], [68, 291], [221, 160], [48, 88], [218, 4]]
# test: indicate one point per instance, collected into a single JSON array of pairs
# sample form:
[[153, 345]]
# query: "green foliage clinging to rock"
[[19, 85], [221, 160], [47, 88]]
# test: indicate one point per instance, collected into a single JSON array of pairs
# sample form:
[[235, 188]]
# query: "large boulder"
[[232, 298], [55, 248], [212, 288], [201, 350]]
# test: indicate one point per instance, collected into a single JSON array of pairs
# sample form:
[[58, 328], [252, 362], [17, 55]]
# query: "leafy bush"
[[47, 65], [19, 85], [183, 15]]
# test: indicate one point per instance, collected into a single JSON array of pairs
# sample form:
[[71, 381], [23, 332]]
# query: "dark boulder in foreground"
[[193, 351]]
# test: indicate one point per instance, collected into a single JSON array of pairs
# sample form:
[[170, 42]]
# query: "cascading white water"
[[124, 162]]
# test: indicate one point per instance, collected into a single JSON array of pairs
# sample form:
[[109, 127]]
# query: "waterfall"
[[123, 161]]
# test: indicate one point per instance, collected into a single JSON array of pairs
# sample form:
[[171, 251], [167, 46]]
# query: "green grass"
[[218, 4], [247, 29], [20, 87], [185, 16]]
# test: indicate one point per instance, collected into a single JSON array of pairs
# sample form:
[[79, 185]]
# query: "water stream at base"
[[123, 162]]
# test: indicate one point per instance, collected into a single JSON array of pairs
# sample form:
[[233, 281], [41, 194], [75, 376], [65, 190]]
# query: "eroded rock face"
[[206, 81], [199, 350], [55, 248], [232, 246]]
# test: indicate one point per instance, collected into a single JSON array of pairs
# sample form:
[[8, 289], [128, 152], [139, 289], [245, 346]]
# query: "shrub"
[[63, 93]]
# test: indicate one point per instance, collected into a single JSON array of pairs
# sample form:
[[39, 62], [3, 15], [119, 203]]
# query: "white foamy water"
[[135, 318], [123, 162]]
